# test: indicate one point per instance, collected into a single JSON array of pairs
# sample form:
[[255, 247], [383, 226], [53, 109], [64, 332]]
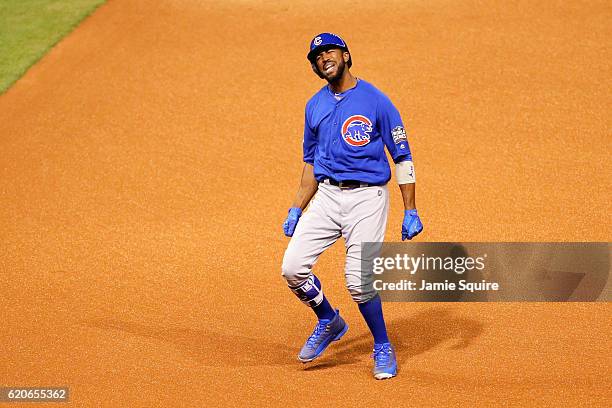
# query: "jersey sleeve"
[[392, 131], [309, 143]]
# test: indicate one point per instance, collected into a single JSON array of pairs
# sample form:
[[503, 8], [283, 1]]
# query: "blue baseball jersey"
[[345, 135]]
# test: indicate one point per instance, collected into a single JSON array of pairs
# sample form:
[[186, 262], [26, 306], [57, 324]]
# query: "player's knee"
[[293, 270]]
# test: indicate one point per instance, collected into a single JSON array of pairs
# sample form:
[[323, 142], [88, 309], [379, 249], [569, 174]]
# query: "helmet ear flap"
[[316, 70]]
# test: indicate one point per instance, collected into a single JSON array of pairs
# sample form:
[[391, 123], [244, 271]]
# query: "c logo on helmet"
[[356, 130], [318, 41]]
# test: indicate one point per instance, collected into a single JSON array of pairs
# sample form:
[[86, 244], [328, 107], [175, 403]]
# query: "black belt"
[[347, 184]]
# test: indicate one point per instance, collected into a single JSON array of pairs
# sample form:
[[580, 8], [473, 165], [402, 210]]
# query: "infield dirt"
[[149, 159]]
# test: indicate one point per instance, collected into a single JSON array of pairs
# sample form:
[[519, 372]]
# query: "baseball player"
[[348, 123]]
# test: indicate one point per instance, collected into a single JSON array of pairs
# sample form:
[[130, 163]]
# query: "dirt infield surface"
[[148, 162]]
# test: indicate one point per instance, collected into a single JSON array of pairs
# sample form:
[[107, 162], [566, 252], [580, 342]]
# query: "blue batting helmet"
[[326, 41]]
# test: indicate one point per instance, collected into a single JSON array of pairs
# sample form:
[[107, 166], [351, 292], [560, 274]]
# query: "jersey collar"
[[342, 95]]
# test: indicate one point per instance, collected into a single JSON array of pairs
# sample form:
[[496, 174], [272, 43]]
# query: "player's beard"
[[339, 72]]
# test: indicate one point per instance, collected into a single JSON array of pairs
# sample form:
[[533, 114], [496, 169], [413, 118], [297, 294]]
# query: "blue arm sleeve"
[[309, 143], [392, 131]]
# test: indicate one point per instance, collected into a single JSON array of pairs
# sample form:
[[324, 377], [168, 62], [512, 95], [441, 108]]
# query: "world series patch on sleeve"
[[399, 134]]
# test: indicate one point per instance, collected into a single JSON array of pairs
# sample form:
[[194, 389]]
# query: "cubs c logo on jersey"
[[356, 130]]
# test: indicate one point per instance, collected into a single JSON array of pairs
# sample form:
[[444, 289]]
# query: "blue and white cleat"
[[324, 333], [385, 364]]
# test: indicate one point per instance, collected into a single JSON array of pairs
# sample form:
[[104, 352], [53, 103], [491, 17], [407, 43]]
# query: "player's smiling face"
[[331, 64]]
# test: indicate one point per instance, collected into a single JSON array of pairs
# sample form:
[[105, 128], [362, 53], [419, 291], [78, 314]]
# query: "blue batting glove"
[[291, 221], [412, 224]]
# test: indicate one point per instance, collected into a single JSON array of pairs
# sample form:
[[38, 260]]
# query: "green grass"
[[29, 28]]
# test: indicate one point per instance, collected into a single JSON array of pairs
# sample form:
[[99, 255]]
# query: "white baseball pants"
[[358, 215]]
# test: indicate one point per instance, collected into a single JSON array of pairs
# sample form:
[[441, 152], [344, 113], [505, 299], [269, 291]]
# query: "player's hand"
[[291, 221], [412, 224]]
